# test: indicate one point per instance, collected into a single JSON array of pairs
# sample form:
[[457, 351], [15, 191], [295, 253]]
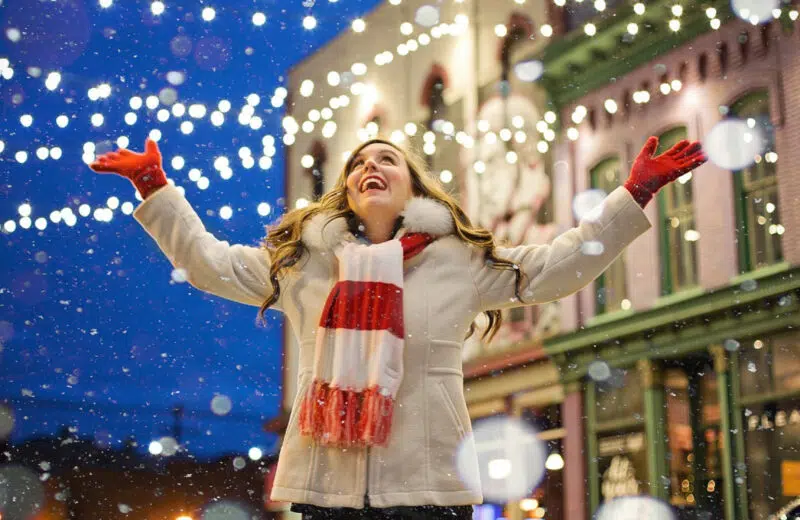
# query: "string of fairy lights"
[[749, 10], [164, 105]]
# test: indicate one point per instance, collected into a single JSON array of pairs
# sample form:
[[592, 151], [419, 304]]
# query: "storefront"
[[696, 403]]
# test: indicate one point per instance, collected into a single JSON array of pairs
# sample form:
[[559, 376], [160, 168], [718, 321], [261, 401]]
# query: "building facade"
[[674, 374]]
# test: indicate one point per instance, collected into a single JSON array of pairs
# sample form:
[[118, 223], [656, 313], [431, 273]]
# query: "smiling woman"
[[378, 187], [382, 279]]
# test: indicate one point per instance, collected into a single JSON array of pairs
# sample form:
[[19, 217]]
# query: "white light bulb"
[[309, 23], [208, 14]]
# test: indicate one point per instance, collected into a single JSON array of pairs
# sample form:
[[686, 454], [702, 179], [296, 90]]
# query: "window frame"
[[669, 262], [755, 104], [601, 304]]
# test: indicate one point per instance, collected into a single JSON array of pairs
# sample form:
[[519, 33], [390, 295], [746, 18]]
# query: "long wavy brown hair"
[[283, 241]]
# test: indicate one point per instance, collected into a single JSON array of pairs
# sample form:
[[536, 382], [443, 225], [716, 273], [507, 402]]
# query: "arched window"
[[515, 35], [756, 190], [520, 28], [611, 287], [433, 95], [319, 153], [437, 110], [678, 230]]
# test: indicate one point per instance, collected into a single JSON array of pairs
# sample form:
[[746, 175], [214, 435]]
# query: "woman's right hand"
[[144, 170]]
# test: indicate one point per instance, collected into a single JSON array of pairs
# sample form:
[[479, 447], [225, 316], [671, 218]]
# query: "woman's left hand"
[[650, 173]]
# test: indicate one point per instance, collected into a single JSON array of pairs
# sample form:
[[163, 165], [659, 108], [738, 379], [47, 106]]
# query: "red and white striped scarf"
[[358, 355]]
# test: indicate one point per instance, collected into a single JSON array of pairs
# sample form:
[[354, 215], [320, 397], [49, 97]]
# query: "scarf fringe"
[[344, 418]]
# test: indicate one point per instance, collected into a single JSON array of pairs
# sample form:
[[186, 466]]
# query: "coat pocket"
[[450, 405]]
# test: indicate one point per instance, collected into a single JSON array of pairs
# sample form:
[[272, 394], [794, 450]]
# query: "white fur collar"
[[421, 215]]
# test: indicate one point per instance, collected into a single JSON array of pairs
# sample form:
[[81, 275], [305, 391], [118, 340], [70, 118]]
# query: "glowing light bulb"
[[309, 23]]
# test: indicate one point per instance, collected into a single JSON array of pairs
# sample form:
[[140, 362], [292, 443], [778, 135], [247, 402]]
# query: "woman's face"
[[378, 183]]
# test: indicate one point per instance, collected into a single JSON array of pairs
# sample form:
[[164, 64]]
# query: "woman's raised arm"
[[581, 254], [235, 272]]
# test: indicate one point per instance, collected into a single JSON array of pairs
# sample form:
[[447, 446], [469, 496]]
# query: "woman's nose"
[[370, 165]]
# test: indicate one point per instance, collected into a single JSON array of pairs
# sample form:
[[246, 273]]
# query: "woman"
[[381, 281]]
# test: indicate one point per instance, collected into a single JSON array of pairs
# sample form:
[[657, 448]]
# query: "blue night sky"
[[94, 332]]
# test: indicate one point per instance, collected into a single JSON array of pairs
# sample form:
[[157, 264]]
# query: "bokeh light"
[[734, 144], [21, 492], [427, 16], [755, 11], [530, 70], [227, 510], [511, 459], [588, 203]]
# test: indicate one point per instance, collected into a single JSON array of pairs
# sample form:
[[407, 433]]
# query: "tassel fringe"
[[344, 417]]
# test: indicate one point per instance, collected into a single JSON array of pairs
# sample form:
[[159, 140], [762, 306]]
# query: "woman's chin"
[[376, 199]]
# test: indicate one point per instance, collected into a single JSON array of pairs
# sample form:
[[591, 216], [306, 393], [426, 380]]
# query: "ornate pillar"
[[731, 502], [655, 428]]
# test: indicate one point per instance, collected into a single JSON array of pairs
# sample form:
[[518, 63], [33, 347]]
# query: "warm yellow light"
[[359, 25]]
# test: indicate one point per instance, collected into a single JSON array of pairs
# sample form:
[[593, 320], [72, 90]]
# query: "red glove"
[[649, 174], [144, 170]]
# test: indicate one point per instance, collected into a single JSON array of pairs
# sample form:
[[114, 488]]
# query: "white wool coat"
[[445, 287]]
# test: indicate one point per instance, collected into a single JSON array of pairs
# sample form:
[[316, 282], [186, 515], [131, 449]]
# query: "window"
[[678, 234], [520, 28], [432, 96], [693, 439], [619, 397], [620, 459], [769, 374], [549, 494], [516, 34], [444, 121], [611, 287], [756, 191], [317, 170], [770, 366]]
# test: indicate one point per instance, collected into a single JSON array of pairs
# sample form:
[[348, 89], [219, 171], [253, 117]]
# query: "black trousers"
[[387, 513]]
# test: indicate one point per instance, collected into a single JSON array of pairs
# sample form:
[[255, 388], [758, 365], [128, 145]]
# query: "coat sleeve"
[[235, 272], [562, 267]]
